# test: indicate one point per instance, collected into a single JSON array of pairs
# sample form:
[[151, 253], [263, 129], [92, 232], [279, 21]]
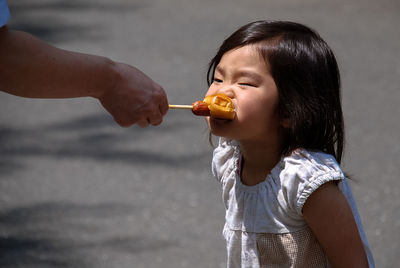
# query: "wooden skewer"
[[173, 106]]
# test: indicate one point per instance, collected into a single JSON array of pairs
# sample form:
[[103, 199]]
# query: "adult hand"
[[135, 98]]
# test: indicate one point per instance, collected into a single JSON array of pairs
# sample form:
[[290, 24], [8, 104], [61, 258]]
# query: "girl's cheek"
[[211, 90], [208, 92]]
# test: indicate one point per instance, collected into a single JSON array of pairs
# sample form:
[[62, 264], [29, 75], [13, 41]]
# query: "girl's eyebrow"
[[241, 73], [220, 70]]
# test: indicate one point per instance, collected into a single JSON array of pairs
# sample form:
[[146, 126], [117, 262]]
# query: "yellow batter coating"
[[220, 106]]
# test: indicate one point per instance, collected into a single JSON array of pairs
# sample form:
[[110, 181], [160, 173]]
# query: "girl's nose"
[[228, 91]]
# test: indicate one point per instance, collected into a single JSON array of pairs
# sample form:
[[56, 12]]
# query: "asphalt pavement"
[[76, 190]]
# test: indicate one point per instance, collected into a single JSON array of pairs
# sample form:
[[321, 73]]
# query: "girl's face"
[[243, 75]]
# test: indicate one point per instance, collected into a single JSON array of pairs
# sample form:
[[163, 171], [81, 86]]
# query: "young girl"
[[288, 203]]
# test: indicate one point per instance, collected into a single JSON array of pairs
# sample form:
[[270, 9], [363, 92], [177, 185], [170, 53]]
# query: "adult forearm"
[[31, 68]]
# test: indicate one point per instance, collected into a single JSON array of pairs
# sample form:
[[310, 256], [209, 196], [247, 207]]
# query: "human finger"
[[155, 120], [142, 123], [163, 106]]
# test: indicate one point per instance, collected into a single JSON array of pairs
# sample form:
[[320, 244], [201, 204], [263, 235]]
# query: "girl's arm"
[[329, 216]]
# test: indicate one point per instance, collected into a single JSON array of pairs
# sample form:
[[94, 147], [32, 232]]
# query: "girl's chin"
[[219, 127], [219, 122]]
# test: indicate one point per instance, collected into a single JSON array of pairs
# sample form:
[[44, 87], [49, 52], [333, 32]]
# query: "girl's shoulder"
[[225, 157], [304, 171], [306, 163]]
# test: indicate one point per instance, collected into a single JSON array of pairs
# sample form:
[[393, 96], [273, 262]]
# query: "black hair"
[[307, 76]]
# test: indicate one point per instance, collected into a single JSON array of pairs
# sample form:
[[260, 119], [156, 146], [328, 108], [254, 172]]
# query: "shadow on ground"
[[97, 137], [67, 235], [47, 21]]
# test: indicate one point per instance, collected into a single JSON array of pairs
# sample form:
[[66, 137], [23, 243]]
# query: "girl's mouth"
[[220, 121]]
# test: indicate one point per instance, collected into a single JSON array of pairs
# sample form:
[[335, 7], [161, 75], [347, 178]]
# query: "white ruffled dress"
[[264, 223]]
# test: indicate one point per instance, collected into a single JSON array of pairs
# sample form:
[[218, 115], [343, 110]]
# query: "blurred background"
[[76, 190]]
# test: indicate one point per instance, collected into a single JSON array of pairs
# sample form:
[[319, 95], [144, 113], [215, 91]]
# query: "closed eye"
[[247, 84], [217, 80]]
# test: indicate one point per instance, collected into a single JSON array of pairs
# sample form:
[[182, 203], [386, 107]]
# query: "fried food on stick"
[[217, 106], [220, 106]]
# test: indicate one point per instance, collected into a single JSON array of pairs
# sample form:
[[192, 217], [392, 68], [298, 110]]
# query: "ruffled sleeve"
[[303, 173], [222, 157]]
